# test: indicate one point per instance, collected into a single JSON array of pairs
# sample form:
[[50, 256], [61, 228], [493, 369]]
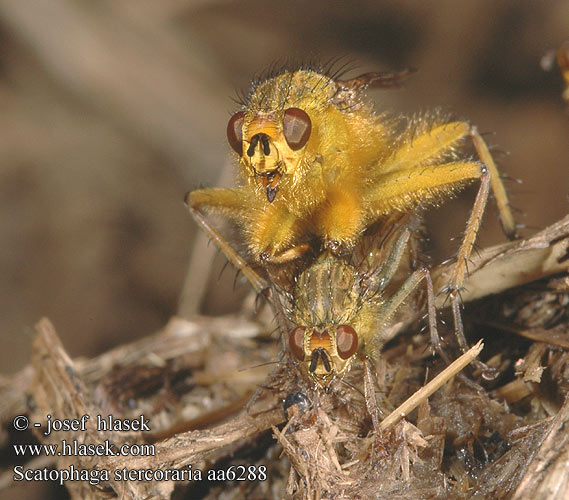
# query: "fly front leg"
[[340, 219], [293, 253], [274, 233], [395, 301], [226, 200]]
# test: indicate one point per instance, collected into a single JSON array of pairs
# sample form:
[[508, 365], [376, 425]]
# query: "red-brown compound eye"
[[296, 342], [235, 132], [346, 341], [296, 128]]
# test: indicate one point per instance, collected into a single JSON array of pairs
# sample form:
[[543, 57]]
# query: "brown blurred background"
[[112, 110]]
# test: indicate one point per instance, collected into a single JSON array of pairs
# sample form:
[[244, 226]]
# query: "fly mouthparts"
[[271, 193]]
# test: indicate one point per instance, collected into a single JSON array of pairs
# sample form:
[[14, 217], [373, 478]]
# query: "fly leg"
[[460, 270], [193, 202], [489, 179], [369, 395]]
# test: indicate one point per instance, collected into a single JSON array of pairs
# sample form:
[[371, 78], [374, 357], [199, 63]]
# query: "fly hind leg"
[[498, 189], [489, 179]]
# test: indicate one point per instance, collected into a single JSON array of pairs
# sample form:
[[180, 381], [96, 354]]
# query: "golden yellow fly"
[[315, 160], [318, 166]]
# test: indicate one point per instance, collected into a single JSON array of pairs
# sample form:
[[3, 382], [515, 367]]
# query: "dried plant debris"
[[335, 454], [548, 473], [84, 392], [502, 267], [470, 439]]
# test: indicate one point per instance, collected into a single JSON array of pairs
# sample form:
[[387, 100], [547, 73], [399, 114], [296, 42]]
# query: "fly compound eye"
[[296, 128], [235, 132], [346, 341], [296, 342]]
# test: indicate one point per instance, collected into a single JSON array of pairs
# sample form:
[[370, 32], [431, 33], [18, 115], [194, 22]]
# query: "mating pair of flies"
[[328, 199]]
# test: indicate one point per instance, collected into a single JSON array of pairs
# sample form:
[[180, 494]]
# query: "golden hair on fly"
[[318, 163]]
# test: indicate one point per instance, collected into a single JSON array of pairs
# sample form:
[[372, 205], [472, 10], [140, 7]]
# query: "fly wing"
[[376, 80]]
